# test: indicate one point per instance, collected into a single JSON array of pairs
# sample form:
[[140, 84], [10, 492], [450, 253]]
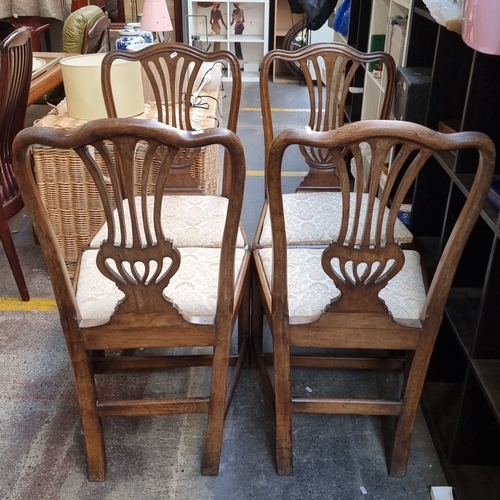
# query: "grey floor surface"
[[41, 442]]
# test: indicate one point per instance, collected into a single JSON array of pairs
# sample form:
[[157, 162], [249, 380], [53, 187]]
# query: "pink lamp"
[[480, 25], [155, 17]]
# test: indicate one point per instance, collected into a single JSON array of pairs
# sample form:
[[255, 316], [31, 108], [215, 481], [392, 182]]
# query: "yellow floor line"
[[280, 110], [260, 173], [45, 305]]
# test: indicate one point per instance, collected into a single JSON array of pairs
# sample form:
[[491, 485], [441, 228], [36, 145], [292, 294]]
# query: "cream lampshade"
[[155, 17], [82, 85]]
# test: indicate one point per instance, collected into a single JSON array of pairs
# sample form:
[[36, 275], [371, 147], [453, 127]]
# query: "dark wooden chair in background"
[[37, 26], [16, 60], [140, 288], [361, 291]]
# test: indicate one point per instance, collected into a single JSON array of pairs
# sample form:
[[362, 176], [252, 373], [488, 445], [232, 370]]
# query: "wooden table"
[[47, 78]]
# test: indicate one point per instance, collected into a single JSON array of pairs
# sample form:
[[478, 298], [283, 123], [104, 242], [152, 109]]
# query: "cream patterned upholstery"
[[314, 219], [189, 220], [310, 290], [193, 289]]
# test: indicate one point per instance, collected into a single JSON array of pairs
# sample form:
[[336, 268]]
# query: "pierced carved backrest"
[[334, 76], [172, 73], [365, 255], [136, 255], [133, 256], [16, 60]]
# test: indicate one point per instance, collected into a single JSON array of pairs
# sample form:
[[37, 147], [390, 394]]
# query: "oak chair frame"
[[359, 319], [145, 319]]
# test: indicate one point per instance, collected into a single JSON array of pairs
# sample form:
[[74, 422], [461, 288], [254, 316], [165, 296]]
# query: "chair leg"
[[257, 322], [283, 397], [92, 425], [217, 403], [412, 390], [244, 315], [12, 257]]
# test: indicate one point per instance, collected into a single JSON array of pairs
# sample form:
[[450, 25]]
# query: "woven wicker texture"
[[68, 192]]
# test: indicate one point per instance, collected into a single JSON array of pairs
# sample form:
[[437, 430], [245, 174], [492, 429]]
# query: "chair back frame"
[[94, 35], [328, 99], [16, 61], [172, 70], [146, 243], [366, 265], [15, 81]]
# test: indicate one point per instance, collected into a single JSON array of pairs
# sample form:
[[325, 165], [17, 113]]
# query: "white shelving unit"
[[382, 11], [284, 20], [250, 45]]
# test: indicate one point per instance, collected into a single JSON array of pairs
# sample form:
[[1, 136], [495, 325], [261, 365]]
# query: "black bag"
[[316, 11]]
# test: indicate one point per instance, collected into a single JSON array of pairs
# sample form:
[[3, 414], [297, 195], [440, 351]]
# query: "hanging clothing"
[[316, 11]]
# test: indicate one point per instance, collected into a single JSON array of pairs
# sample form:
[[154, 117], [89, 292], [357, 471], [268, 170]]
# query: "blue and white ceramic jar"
[[132, 36], [147, 35]]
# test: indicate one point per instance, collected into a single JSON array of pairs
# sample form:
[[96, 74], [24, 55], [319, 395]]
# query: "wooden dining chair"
[[361, 291], [140, 289], [16, 60], [173, 76], [334, 75]]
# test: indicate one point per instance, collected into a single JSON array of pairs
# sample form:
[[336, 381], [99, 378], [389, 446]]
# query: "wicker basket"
[[68, 192]]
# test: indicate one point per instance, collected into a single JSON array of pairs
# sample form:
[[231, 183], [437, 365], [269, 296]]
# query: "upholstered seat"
[[188, 220], [311, 290], [314, 218], [196, 300]]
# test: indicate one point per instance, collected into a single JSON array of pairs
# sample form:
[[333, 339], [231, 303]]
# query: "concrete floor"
[[41, 442]]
